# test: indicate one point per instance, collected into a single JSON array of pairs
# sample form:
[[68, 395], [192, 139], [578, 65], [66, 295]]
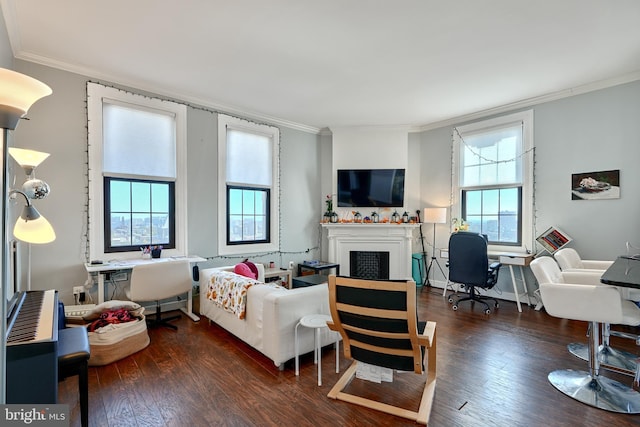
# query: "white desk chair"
[[159, 281], [595, 303]]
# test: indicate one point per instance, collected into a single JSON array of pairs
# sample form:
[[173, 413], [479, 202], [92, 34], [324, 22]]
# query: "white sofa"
[[271, 316]]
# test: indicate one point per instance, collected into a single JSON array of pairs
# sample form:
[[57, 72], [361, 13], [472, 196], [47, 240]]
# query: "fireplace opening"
[[372, 265]]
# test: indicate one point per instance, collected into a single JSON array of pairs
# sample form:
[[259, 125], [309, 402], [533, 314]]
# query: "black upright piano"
[[32, 347]]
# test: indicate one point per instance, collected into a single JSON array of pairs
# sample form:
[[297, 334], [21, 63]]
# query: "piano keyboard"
[[34, 322]]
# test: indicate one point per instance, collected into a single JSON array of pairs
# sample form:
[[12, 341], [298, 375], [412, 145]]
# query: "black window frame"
[[267, 238], [108, 248], [518, 241]]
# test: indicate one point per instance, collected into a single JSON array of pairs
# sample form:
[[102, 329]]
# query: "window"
[[248, 192], [248, 215], [138, 213], [137, 173], [493, 179]]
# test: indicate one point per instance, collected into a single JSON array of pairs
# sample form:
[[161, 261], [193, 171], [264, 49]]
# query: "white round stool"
[[317, 322]]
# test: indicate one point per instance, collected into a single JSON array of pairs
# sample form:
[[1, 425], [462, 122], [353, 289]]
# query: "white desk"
[[518, 260], [127, 264]]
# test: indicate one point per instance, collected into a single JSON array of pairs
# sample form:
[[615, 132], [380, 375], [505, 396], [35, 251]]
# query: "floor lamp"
[[434, 216], [17, 93]]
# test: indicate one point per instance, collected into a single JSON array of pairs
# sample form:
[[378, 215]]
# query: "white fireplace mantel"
[[393, 238]]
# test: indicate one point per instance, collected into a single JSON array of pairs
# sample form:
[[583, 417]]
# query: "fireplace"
[[369, 265], [392, 239]]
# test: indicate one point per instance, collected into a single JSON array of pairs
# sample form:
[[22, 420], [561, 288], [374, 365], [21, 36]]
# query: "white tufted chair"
[[616, 359], [594, 303], [570, 261]]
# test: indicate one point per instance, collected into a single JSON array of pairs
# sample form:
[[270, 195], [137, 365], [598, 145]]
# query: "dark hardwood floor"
[[492, 371]]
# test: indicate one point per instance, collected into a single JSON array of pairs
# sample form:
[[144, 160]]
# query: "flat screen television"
[[371, 188]]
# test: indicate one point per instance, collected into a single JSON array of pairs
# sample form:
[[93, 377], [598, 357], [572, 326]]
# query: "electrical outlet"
[[77, 290], [119, 277]]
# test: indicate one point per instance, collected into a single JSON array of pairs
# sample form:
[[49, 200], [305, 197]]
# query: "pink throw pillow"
[[252, 267], [244, 270]]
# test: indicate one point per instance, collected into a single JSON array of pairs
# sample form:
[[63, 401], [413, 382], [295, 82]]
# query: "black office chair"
[[469, 266]]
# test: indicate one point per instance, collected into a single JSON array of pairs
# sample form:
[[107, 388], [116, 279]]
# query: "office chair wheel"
[[450, 300], [454, 307], [487, 311]]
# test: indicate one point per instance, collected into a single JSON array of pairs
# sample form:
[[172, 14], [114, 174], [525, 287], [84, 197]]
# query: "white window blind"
[[492, 156], [242, 146], [132, 134]]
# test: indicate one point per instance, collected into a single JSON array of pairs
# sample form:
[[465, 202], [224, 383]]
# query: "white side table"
[[317, 322]]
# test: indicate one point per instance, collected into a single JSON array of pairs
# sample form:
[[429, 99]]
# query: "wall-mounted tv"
[[363, 188]]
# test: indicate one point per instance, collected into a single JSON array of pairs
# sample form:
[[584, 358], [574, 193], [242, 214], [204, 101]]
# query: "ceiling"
[[335, 63]]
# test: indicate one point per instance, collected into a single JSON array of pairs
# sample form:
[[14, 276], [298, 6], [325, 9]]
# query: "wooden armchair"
[[378, 323]]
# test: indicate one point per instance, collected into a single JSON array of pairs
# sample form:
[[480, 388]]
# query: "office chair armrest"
[[495, 266]]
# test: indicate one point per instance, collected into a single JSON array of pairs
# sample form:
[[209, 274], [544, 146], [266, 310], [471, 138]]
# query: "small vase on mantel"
[[334, 217], [326, 217]]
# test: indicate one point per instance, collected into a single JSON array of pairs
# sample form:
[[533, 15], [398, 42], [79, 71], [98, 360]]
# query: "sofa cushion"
[[252, 267], [244, 270]]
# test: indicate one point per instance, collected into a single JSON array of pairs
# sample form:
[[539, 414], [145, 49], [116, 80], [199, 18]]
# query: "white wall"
[[590, 132], [6, 55], [57, 125], [372, 148], [594, 131]]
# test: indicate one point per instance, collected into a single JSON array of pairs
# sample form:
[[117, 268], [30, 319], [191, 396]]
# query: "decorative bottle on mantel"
[[375, 218], [357, 217], [395, 217], [405, 217]]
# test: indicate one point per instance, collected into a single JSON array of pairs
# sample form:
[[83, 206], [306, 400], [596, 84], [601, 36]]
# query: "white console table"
[[127, 264]]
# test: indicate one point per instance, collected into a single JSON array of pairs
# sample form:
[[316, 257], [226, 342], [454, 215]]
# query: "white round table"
[[317, 322]]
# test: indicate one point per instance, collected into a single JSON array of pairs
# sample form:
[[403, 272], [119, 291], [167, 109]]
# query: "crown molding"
[[530, 102], [172, 95], [260, 117]]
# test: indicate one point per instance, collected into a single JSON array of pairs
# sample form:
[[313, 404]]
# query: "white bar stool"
[[317, 322]]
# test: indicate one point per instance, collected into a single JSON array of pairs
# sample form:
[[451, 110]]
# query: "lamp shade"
[[17, 93], [32, 227], [37, 230], [435, 215], [27, 159]]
